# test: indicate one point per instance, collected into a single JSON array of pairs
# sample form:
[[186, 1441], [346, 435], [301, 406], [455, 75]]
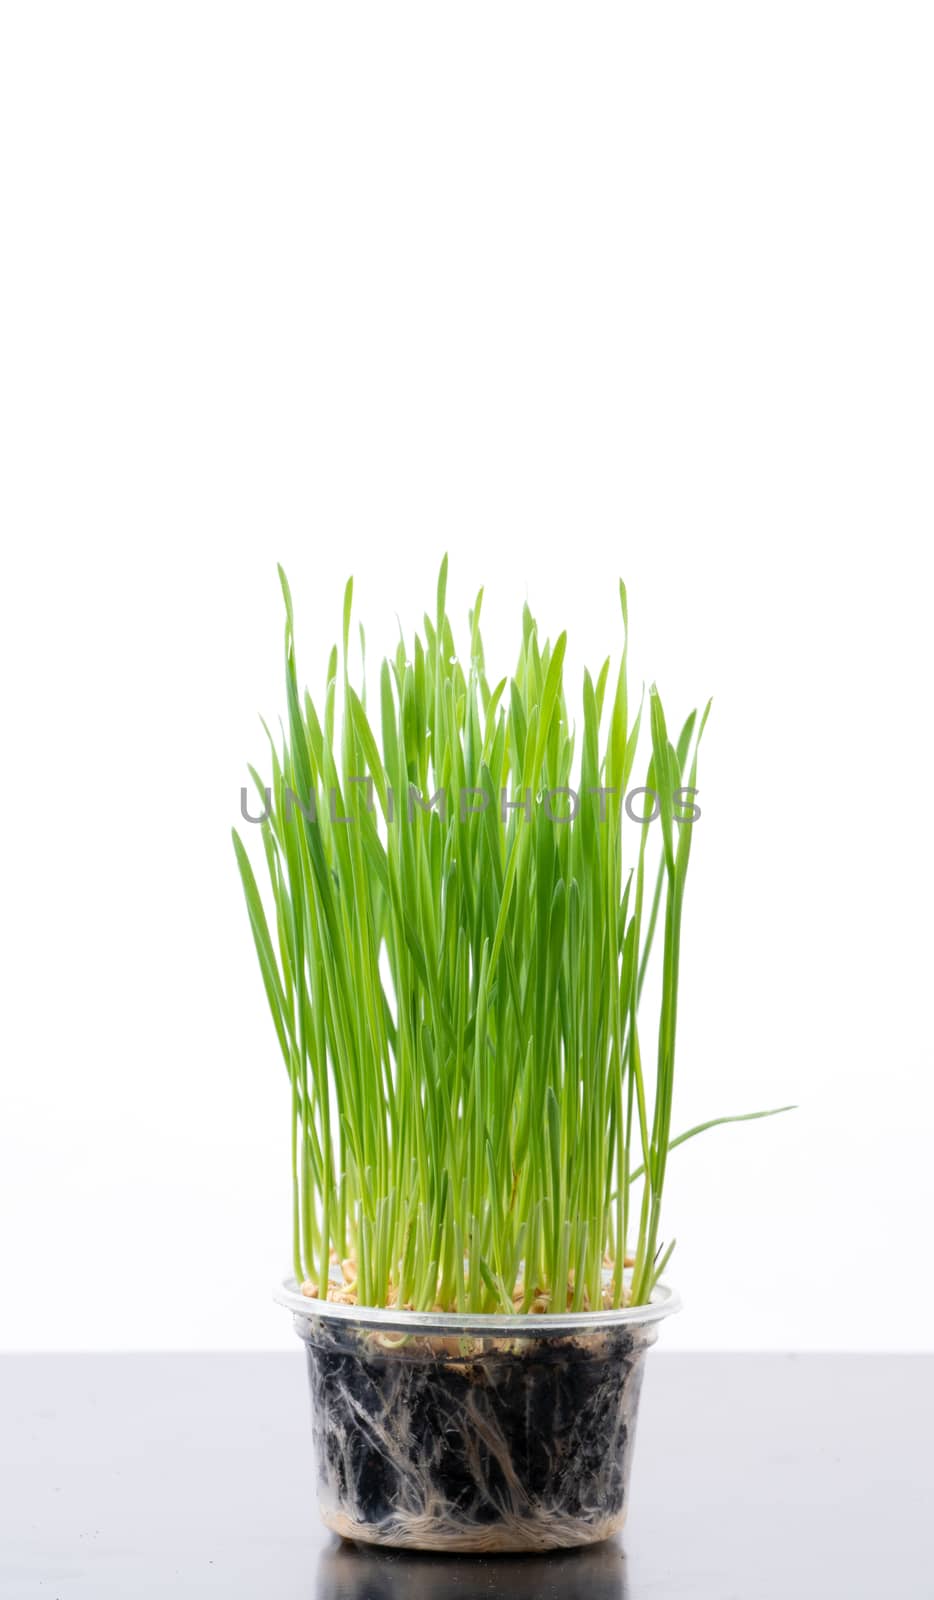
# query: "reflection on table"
[[358, 1572]]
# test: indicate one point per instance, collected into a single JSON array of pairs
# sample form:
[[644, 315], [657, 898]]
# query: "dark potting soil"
[[531, 1430]]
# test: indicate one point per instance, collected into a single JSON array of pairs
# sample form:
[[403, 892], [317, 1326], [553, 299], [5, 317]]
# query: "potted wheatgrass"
[[454, 951]]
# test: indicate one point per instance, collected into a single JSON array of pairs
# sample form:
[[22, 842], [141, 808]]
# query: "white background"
[[572, 292]]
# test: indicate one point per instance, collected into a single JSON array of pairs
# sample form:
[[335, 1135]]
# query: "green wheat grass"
[[480, 1119]]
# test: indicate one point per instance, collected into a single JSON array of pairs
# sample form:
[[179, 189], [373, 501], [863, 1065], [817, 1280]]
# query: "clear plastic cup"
[[434, 1431]]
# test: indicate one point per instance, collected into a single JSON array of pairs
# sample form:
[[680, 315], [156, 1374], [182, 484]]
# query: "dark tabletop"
[[756, 1477]]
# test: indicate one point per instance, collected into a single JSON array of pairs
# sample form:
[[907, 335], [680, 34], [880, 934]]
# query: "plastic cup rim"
[[665, 1301]]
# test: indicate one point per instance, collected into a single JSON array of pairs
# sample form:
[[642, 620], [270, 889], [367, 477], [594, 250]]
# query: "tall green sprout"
[[454, 962]]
